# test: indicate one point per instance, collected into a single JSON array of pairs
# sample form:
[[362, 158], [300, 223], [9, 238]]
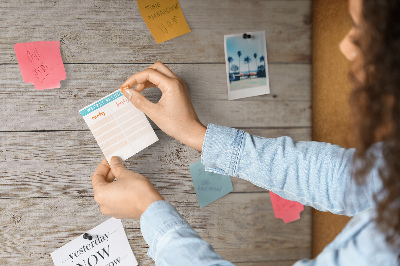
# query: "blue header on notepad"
[[100, 103]]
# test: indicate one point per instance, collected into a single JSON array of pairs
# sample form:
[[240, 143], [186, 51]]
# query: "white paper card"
[[118, 126], [108, 247]]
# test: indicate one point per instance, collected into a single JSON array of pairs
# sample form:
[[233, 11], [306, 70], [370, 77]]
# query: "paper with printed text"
[[109, 246], [118, 126]]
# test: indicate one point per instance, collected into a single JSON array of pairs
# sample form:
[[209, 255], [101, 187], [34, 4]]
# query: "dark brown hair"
[[375, 102]]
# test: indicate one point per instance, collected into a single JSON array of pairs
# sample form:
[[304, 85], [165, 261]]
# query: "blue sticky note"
[[209, 186]]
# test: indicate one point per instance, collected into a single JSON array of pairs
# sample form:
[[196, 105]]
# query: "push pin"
[[87, 236], [246, 36]]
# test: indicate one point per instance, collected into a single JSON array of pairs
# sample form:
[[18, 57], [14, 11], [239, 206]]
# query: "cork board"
[[331, 89]]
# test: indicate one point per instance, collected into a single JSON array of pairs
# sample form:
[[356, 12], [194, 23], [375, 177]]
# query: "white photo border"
[[248, 92]]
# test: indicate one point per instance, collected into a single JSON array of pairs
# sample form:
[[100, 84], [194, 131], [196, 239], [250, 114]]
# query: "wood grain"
[[289, 104], [102, 31], [241, 227], [47, 153], [30, 167]]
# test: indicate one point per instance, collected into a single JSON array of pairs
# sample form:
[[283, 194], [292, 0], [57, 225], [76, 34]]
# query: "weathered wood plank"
[[60, 163], [32, 228], [288, 105], [97, 35], [288, 82], [102, 31]]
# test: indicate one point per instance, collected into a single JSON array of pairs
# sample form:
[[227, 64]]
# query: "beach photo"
[[246, 65]]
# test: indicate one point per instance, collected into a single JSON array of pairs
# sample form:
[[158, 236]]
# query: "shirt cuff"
[[157, 220], [222, 148]]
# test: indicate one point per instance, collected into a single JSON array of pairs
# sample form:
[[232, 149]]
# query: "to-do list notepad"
[[118, 126]]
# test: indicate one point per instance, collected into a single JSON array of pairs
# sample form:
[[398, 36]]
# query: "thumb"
[[99, 176], [139, 101], [117, 167]]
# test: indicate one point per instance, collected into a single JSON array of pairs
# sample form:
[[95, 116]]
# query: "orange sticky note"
[[164, 18], [284, 209], [41, 63]]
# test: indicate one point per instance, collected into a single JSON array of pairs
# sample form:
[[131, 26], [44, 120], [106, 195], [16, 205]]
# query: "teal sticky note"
[[209, 186]]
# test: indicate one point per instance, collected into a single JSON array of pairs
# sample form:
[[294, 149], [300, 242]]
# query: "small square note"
[[118, 126], [284, 209], [164, 18], [41, 63], [209, 186]]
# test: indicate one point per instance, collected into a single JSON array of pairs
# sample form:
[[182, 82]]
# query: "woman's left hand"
[[128, 196]]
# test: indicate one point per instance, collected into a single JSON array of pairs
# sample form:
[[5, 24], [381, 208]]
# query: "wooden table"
[[47, 153]]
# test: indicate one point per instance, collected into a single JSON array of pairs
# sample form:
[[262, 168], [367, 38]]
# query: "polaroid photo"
[[246, 64]]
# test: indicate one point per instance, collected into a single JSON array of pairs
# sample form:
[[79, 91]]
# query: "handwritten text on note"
[[41, 63], [209, 186], [284, 209], [164, 18]]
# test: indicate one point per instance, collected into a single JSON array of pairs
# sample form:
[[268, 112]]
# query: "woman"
[[320, 175]]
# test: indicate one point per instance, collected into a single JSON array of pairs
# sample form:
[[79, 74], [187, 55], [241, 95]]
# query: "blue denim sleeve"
[[172, 241], [360, 243], [313, 173]]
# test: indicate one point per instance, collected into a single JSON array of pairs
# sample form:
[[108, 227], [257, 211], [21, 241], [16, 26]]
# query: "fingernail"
[[129, 92], [115, 160], [124, 88]]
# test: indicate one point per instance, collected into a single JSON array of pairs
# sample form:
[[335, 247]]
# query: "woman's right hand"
[[173, 113]]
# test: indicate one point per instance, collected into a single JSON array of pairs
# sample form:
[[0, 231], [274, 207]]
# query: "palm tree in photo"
[[234, 68], [255, 60], [247, 60], [239, 54], [230, 60], [262, 59]]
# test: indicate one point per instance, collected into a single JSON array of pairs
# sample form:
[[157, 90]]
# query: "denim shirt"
[[312, 173]]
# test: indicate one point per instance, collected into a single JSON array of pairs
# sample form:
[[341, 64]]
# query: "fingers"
[[160, 67], [156, 75], [117, 167], [157, 66], [143, 86], [160, 80], [100, 174], [110, 177], [140, 102]]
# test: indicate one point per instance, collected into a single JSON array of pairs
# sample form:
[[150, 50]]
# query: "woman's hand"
[[174, 113], [128, 196]]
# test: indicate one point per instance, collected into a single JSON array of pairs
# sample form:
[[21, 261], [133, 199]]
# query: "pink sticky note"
[[41, 63], [286, 210]]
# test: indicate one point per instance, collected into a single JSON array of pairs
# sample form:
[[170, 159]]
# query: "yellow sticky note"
[[164, 18]]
